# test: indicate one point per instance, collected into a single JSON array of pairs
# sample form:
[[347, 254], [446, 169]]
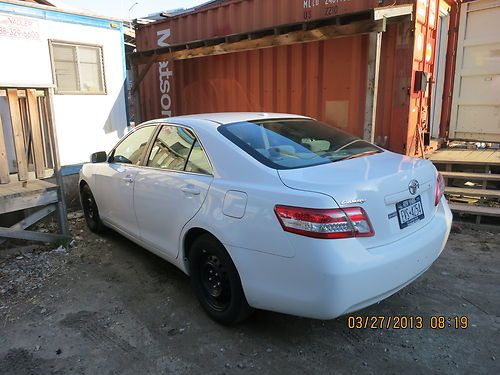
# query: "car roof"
[[229, 117]]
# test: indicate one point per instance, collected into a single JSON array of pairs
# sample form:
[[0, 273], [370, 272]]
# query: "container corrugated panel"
[[324, 80], [427, 14], [394, 87], [239, 16]]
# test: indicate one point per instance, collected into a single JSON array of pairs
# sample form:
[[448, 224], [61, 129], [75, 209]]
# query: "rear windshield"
[[295, 143]]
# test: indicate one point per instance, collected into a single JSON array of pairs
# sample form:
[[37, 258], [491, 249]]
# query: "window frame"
[[149, 149], [78, 78]]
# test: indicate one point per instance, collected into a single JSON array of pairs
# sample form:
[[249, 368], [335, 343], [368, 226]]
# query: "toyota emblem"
[[413, 187]]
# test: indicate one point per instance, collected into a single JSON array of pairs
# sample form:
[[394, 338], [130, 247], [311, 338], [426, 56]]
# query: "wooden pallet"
[[468, 157], [472, 176], [31, 122], [41, 197], [469, 192], [456, 166], [478, 211]]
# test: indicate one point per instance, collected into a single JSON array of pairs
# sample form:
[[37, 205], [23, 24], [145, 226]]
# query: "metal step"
[[483, 193], [472, 176], [475, 210]]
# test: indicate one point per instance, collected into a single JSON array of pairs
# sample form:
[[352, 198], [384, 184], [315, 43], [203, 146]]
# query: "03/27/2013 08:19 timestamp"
[[407, 322]]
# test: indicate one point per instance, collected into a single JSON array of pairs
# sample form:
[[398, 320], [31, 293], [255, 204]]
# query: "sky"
[[120, 8]]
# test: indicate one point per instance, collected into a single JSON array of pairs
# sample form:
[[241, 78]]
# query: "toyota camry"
[[270, 211]]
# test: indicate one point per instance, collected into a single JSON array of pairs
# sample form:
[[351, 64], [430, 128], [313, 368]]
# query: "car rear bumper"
[[329, 278]]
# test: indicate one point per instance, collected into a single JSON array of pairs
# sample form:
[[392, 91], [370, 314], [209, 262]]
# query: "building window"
[[78, 69]]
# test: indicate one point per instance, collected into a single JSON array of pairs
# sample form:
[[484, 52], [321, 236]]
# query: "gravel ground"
[[107, 306]]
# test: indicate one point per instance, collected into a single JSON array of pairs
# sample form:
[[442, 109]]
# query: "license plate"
[[409, 211]]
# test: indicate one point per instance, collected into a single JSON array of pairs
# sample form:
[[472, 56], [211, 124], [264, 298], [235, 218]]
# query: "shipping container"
[[375, 83]]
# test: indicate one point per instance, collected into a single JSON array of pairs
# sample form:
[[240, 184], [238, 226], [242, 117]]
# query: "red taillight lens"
[[439, 189], [330, 223]]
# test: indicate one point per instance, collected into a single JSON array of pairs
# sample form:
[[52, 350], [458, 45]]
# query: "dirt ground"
[[107, 306]]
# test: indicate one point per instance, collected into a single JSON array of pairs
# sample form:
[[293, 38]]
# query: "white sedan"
[[271, 211]]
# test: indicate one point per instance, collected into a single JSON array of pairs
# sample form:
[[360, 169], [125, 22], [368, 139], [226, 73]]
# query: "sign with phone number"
[[13, 27]]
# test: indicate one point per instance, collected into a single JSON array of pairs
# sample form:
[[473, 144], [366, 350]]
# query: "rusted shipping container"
[[237, 16], [331, 80]]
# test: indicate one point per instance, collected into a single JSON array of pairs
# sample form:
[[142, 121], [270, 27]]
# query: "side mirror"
[[99, 157]]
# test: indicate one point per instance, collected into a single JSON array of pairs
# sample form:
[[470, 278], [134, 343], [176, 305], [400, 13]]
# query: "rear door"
[[115, 180], [171, 187]]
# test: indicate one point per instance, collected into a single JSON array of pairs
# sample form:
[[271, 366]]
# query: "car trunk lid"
[[378, 183]]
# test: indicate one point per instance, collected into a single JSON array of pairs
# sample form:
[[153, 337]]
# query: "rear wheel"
[[90, 210], [216, 282]]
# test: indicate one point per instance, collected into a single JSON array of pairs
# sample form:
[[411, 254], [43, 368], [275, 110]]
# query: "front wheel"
[[90, 210], [216, 282]]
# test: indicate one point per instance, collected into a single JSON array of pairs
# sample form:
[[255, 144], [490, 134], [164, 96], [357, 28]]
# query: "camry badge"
[[353, 201], [413, 187]]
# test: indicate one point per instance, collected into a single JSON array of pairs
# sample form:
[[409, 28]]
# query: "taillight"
[[321, 223], [439, 189]]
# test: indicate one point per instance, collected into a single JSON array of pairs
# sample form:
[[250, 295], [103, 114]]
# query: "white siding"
[[85, 123]]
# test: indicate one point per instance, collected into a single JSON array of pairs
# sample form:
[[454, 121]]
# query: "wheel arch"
[[188, 239], [81, 184]]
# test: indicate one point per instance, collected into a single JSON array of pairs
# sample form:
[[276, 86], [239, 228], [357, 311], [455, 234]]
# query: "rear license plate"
[[409, 211]]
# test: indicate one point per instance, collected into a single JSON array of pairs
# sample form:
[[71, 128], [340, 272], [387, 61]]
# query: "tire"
[[91, 211], [216, 282]]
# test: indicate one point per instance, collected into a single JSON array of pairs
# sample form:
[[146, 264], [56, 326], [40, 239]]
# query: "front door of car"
[[171, 188], [115, 180]]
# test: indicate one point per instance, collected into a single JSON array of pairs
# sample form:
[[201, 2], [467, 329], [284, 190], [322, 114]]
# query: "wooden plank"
[[36, 132], [28, 200], [4, 162], [474, 157], [62, 213], [31, 236], [17, 189], [475, 210], [32, 219], [465, 162], [472, 176], [17, 131], [142, 75], [473, 192], [293, 37]]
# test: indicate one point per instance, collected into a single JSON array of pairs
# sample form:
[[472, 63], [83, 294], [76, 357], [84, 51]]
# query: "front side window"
[[295, 143], [177, 149], [78, 69], [130, 150]]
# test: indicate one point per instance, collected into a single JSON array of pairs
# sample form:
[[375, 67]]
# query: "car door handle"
[[128, 179], [191, 190]]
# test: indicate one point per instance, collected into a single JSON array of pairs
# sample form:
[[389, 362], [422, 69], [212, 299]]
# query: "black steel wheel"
[[216, 281], [90, 210]]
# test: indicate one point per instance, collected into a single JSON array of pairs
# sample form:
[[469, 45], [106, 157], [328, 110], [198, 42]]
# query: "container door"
[[476, 94], [439, 73]]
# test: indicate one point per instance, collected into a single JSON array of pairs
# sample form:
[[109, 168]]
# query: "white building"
[[81, 57]]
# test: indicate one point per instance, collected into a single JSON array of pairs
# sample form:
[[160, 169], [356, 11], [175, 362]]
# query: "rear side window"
[[198, 161], [171, 148], [295, 143], [177, 149]]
